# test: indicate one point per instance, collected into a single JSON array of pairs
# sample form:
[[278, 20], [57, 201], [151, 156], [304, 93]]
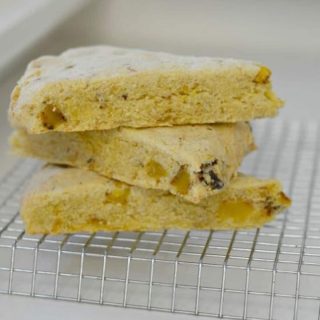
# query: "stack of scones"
[[138, 140]]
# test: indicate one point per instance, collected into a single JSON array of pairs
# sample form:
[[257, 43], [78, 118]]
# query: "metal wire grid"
[[268, 273]]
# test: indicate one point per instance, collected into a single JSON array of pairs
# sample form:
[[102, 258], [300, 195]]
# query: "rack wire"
[[267, 273]]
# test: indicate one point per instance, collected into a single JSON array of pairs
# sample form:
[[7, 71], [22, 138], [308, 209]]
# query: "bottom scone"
[[65, 200]]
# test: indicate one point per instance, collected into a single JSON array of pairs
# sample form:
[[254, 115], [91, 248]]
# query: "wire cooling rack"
[[268, 273]]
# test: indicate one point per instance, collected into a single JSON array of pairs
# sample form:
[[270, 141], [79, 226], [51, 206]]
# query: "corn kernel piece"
[[263, 75], [181, 181], [51, 117], [118, 196], [155, 170], [235, 211]]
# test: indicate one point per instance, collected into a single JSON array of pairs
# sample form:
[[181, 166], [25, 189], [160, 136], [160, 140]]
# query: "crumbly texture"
[[193, 162], [67, 200], [103, 87]]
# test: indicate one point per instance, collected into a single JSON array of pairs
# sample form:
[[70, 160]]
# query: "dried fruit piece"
[[263, 75], [51, 117], [209, 176], [270, 95], [15, 94], [118, 196], [181, 181], [155, 170], [57, 224], [284, 199], [90, 160], [97, 221], [270, 206], [236, 210]]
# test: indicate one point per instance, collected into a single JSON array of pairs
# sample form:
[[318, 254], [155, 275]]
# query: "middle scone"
[[192, 161]]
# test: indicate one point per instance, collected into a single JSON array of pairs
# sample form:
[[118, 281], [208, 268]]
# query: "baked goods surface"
[[192, 162], [64, 200], [104, 87]]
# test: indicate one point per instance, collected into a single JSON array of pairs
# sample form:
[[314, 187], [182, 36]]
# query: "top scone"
[[105, 87]]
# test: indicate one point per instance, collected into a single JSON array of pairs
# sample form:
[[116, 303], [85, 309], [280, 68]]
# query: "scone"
[[193, 162], [102, 87], [66, 200]]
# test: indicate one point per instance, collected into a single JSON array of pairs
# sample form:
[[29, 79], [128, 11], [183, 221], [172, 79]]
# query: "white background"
[[284, 35]]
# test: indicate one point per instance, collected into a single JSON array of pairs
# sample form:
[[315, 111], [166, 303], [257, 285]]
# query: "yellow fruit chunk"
[[96, 221], [51, 117], [15, 94], [270, 95], [236, 211], [57, 224], [181, 181], [155, 170], [284, 200], [263, 75], [118, 196]]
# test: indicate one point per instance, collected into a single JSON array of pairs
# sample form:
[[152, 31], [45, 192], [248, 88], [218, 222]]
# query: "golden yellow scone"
[[66, 200], [102, 87], [193, 162]]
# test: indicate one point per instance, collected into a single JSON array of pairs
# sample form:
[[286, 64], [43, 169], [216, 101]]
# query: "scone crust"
[[63, 200], [208, 155], [103, 87]]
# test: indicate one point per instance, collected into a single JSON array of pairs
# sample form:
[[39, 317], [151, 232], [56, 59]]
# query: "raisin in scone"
[[193, 162], [103, 87], [66, 200]]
